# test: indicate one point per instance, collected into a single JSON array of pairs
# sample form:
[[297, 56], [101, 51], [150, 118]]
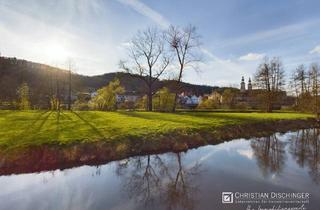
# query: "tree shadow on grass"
[[174, 117], [94, 128], [30, 128], [57, 132], [30, 131], [151, 116], [66, 116], [36, 130], [215, 115]]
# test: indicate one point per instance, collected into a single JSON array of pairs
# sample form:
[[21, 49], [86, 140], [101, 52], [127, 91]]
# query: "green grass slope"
[[28, 128]]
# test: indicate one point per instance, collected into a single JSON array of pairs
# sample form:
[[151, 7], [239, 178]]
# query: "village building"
[[250, 97], [129, 96], [189, 100]]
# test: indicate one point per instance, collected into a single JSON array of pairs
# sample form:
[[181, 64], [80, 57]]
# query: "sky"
[[235, 34]]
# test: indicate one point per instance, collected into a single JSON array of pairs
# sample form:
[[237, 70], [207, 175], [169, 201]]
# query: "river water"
[[281, 163]]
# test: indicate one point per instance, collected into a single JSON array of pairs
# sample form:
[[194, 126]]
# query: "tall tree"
[[185, 43], [148, 59], [300, 82], [270, 79], [70, 64], [300, 77], [228, 96], [315, 76]]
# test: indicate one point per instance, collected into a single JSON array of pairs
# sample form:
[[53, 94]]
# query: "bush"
[[209, 104], [242, 106], [80, 105], [106, 99], [163, 100], [127, 105]]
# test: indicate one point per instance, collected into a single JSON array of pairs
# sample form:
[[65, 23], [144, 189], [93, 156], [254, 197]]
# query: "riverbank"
[[195, 129]]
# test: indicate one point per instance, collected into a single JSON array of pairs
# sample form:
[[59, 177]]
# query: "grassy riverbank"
[[29, 128]]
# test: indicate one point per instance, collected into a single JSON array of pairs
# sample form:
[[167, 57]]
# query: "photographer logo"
[[227, 197]]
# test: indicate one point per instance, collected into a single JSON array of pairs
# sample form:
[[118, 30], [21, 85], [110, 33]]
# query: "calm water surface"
[[190, 180]]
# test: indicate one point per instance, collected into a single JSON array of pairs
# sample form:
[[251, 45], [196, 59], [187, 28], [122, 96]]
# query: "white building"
[[127, 97], [190, 101]]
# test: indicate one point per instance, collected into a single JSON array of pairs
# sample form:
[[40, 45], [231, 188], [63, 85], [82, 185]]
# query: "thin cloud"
[[226, 64], [252, 57], [315, 50], [284, 32], [145, 10]]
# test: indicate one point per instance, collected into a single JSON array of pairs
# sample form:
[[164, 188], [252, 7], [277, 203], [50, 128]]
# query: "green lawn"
[[25, 128]]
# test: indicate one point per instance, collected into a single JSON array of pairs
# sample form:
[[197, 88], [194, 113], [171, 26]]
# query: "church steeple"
[[242, 85], [249, 84]]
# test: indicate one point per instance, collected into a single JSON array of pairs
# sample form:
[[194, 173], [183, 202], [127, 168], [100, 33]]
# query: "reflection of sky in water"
[[206, 171]]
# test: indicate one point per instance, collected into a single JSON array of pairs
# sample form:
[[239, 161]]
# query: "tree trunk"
[[69, 90], [177, 88], [269, 103], [149, 106], [175, 102]]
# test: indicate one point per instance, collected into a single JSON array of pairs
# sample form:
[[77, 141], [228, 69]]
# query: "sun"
[[55, 51]]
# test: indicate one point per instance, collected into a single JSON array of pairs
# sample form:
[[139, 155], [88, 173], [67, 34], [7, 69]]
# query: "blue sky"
[[236, 34]]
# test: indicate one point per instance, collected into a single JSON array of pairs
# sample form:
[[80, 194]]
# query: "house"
[[93, 94], [129, 96], [189, 100]]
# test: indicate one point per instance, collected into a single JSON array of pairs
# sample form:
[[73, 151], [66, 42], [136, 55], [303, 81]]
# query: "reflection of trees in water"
[[180, 189], [304, 147], [270, 154], [142, 177], [149, 179]]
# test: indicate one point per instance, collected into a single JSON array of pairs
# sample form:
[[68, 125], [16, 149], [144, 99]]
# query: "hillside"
[[44, 80]]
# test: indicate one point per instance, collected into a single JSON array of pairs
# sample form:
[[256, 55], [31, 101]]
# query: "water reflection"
[[304, 147], [188, 180], [270, 154], [142, 177], [181, 189], [152, 181]]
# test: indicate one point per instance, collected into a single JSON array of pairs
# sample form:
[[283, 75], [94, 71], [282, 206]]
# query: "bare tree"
[[300, 82], [315, 76], [185, 44], [300, 77], [270, 79], [148, 59], [70, 66]]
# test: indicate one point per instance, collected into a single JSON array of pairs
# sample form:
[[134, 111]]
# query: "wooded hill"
[[44, 81]]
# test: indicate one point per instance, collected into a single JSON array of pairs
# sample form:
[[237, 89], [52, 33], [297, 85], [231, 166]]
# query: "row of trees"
[[270, 80], [305, 85], [270, 86], [151, 53]]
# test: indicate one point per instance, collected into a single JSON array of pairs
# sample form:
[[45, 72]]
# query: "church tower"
[[249, 84], [242, 85]]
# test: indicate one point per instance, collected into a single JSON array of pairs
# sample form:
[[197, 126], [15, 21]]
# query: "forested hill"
[[44, 80]]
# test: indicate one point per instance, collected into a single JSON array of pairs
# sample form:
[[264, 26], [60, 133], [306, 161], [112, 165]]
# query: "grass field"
[[26, 128]]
